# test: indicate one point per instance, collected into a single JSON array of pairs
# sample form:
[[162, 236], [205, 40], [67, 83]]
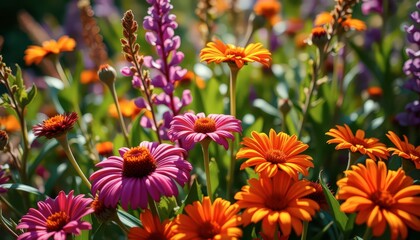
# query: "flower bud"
[[285, 105], [107, 74], [4, 140], [319, 37]]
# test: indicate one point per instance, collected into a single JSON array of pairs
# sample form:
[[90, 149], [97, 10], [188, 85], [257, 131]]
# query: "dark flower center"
[[57, 221], [208, 230], [275, 156], [156, 236], [204, 125], [275, 202], [138, 162], [235, 52], [359, 142], [54, 121], [383, 198]]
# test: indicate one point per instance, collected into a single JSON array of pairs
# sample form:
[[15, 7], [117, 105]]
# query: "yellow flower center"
[[204, 125], [275, 156], [208, 230], [138, 162], [237, 52], [275, 202], [383, 198], [54, 121], [57, 221]]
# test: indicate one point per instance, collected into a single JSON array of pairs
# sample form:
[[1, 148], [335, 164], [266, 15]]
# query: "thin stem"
[[152, 206], [120, 116], [65, 144], [10, 205], [233, 77], [312, 86], [205, 147], [26, 147], [8, 229], [368, 234], [304, 231], [117, 220], [349, 161], [61, 72]]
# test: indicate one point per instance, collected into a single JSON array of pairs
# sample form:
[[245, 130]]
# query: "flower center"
[[204, 125], [208, 230], [54, 121], [237, 52], [275, 202], [138, 162], [383, 198], [275, 156], [358, 142], [57, 221]]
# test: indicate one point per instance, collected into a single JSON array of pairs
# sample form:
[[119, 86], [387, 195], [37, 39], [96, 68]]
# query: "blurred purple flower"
[[412, 65], [371, 6], [411, 116], [105, 8]]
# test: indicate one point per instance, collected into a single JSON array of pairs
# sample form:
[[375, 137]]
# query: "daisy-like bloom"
[[9, 123], [55, 126], [193, 128], [404, 149], [152, 228], [102, 212], [56, 218], [218, 52], [151, 169], [279, 202], [381, 197], [269, 9], [206, 220], [345, 139], [35, 54], [274, 153]]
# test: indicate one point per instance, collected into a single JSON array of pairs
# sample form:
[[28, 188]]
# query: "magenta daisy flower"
[[195, 128], [56, 218], [151, 169]]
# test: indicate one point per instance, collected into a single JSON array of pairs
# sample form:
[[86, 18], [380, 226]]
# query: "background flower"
[[35, 54], [152, 228], [55, 126]]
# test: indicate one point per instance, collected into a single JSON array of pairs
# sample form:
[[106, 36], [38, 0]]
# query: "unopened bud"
[[107, 74], [319, 37], [4, 140], [285, 105]]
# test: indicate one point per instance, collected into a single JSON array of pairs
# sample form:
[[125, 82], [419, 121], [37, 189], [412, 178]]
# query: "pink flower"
[[151, 169], [195, 128], [56, 218]]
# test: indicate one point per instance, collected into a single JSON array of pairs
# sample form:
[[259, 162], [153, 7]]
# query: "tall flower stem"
[[368, 234], [120, 116], [233, 77], [61, 72], [65, 144], [309, 94], [152, 206], [205, 147], [304, 231]]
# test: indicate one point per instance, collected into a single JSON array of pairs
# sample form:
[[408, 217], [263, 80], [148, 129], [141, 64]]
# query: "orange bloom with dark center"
[[9, 123], [152, 228], [381, 197], [269, 9], [278, 202], [349, 23], [128, 109], [404, 149], [206, 220], [55, 126], [219, 52], [345, 139], [105, 148], [273, 153], [35, 54]]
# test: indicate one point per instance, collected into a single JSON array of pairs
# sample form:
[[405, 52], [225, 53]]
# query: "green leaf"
[[214, 176], [340, 218], [166, 207], [30, 94], [84, 234], [194, 194], [128, 219], [22, 187]]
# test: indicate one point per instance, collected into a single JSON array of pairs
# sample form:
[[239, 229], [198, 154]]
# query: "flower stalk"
[[205, 148]]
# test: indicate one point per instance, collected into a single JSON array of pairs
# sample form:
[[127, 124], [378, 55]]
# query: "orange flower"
[[380, 196], [279, 202], [9, 123], [219, 52], [55, 126], [208, 221], [128, 109], [323, 18], [105, 148], [375, 92], [354, 24], [35, 54], [273, 153], [404, 149], [89, 76], [349, 23], [268, 9], [357, 143], [152, 228]]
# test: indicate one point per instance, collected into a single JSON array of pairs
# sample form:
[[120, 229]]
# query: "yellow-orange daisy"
[[55, 126], [273, 153], [206, 220], [404, 149], [381, 197], [345, 139], [218, 52], [152, 228], [35, 54], [279, 202], [269, 9], [9, 123]]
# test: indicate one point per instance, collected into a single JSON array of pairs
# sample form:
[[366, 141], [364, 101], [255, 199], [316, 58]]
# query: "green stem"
[[65, 144], [312, 87], [152, 206], [61, 72], [349, 161], [26, 147], [368, 233], [205, 147], [232, 91], [117, 220], [121, 119], [304, 231], [10, 205]]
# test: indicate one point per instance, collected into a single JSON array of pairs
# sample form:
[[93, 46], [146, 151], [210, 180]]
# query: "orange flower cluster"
[[269, 9], [35, 54], [325, 18]]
